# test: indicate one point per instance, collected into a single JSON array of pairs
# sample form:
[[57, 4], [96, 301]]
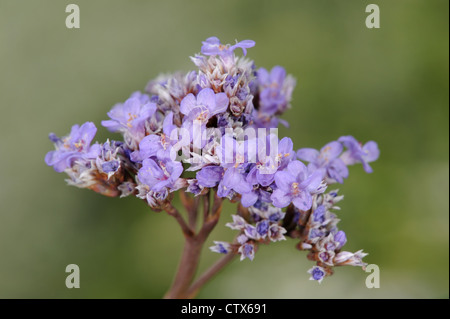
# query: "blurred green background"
[[389, 85]]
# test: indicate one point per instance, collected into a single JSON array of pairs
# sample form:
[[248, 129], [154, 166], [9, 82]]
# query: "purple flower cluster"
[[275, 91], [319, 235], [260, 225], [332, 162], [216, 123], [102, 168], [74, 147]]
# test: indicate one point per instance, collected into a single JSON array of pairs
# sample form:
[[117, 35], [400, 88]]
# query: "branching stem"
[[182, 286]]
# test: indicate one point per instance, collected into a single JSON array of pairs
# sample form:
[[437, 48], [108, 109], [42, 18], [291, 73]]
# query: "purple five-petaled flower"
[[199, 110], [273, 96], [210, 176], [233, 180], [75, 146], [256, 193], [131, 115], [160, 146], [326, 160], [358, 153], [263, 172], [212, 46], [159, 175], [296, 185]]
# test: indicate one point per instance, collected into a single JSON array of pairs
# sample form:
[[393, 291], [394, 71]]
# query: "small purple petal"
[[188, 104], [280, 199], [340, 238]]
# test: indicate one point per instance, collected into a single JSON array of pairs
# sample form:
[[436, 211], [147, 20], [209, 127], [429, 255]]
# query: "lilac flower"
[[271, 97], [204, 106], [326, 160], [296, 185], [75, 146], [317, 273], [131, 115], [285, 152], [255, 194], [358, 153], [212, 46], [275, 90], [160, 146], [221, 247], [233, 180], [210, 176], [247, 251], [263, 173], [159, 175], [198, 110]]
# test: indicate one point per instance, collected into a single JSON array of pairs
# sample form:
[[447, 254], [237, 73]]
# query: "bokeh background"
[[389, 85]]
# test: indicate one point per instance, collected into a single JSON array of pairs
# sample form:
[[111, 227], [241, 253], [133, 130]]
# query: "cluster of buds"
[[255, 226], [318, 233], [214, 129]]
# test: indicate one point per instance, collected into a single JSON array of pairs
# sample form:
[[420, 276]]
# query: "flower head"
[[210, 176], [358, 153], [296, 185], [159, 175], [219, 116], [327, 160], [275, 90], [74, 147], [212, 46], [198, 110], [129, 118]]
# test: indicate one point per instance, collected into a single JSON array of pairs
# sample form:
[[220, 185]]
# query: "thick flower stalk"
[[211, 135]]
